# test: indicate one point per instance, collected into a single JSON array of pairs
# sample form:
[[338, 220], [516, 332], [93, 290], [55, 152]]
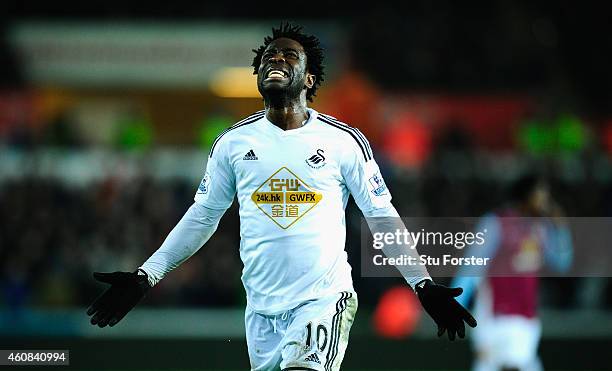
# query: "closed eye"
[[287, 53]]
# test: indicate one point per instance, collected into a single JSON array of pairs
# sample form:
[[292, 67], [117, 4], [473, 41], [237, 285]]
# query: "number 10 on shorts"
[[321, 336]]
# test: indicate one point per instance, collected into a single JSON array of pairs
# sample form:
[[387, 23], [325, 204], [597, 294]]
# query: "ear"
[[310, 80]]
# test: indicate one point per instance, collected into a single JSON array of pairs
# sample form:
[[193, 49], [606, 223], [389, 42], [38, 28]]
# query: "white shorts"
[[508, 341], [312, 336]]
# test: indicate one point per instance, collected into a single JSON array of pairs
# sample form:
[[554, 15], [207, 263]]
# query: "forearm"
[[387, 220], [187, 237]]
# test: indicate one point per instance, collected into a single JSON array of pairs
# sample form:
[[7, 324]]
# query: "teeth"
[[276, 73]]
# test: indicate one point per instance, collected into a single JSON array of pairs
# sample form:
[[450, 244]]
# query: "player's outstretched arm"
[[126, 290], [214, 196], [440, 303], [363, 179]]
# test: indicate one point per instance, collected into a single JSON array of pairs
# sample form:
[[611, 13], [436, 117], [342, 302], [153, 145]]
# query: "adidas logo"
[[250, 155], [313, 358]]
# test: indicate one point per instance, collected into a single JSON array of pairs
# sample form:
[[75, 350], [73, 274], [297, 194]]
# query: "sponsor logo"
[[204, 184], [378, 185], [285, 198], [250, 155], [317, 160]]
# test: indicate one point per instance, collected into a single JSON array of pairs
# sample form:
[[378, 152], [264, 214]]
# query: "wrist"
[[142, 279], [422, 284], [415, 280], [151, 277]]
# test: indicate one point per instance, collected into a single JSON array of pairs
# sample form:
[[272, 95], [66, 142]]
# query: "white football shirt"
[[293, 187]]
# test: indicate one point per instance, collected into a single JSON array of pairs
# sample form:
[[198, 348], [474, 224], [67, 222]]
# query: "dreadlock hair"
[[312, 48]]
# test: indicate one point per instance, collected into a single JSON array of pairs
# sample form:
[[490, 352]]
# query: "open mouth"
[[276, 74]]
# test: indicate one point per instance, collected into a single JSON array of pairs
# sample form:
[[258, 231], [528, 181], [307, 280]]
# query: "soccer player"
[[292, 169], [522, 237]]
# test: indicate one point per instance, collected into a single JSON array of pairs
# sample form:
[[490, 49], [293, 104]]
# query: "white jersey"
[[293, 187]]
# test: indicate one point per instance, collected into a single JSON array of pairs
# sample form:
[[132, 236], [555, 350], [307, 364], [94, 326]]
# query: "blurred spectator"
[[53, 237]]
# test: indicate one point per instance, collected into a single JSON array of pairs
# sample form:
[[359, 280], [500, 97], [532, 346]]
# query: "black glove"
[[439, 302], [126, 290]]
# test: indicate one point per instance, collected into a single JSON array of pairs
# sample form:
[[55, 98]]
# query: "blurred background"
[[107, 114]]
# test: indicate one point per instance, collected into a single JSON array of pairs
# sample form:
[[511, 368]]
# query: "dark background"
[[457, 101]]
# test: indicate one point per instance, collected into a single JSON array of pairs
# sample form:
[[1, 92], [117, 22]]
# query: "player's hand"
[[439, 302], [126, 290]]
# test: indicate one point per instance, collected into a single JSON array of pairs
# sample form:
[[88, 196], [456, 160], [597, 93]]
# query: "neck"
[[287, 115]]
